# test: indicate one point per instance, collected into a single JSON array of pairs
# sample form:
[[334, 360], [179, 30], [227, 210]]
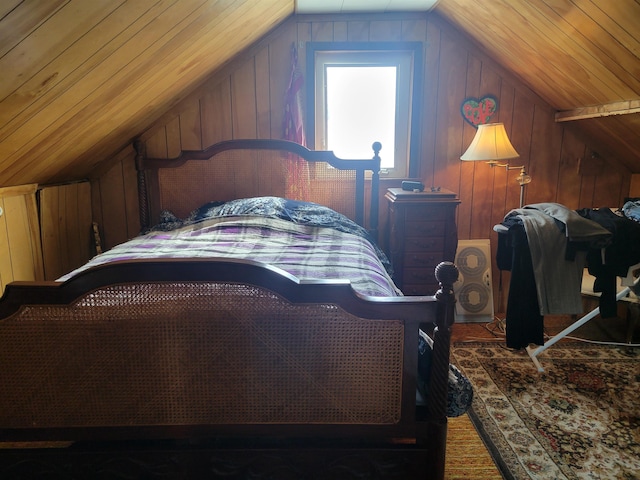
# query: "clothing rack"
[[535, 351]]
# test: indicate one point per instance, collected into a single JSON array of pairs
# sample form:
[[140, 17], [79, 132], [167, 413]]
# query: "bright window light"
[[361, 109]]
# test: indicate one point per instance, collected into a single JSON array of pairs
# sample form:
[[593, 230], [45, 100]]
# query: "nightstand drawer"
[[425, 229], [421, 214], [422, 260], [424, 244]]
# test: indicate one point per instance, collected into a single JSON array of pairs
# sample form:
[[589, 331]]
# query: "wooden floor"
[[467, 457], [598, 329]]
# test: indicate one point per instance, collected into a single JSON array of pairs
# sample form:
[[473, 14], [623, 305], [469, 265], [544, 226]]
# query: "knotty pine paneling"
[[245, 99], [21, 257]]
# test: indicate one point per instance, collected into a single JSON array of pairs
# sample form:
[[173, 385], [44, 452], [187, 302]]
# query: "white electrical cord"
[[597, 342], [500, 331]]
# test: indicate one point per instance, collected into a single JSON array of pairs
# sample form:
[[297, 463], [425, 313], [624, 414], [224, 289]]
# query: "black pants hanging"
[[524, 324]]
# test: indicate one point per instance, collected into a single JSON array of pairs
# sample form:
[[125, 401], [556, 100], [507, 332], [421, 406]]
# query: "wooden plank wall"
[[114, 200], [245, 99], [65, 228], [634, 189], [21, 257]]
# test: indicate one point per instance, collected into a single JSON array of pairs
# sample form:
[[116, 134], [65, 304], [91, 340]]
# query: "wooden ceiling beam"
[[597, 111]]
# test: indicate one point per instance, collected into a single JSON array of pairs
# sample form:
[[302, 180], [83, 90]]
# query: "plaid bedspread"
[[307, 252]]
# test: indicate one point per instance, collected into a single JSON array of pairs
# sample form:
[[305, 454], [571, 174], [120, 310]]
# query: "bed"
[[204, 364], [551, 252]]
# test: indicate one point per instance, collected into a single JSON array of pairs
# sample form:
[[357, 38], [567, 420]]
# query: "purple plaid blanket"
[[307, 252]]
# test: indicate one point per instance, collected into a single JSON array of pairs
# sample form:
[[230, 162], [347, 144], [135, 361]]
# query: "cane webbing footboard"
[[197, 353]]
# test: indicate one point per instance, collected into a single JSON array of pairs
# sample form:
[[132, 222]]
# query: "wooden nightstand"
[[421, 233]]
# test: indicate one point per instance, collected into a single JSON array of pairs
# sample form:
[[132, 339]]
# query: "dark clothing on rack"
[[622, 253], [545, 246], [524, 323]]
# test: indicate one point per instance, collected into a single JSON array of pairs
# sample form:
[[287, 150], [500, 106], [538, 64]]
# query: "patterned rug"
[[580, 419]]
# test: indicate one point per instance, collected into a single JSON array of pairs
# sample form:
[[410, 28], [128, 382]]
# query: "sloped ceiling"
[[81, 78], [582, 56]]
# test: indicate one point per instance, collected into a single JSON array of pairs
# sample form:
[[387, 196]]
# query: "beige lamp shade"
[[490, 144]]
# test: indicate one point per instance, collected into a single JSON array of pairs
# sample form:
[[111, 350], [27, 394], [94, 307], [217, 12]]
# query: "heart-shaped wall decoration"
[[478, 111]]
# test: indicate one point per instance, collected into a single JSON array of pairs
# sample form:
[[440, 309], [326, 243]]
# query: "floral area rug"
[[580, 419]]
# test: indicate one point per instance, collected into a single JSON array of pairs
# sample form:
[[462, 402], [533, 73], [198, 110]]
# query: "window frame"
[[415, 51]]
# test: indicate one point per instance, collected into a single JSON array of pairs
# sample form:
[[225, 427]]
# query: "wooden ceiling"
[[81, 78], [581, 56]]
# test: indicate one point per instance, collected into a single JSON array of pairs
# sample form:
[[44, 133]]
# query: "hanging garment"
[[524, 324], [559, 239], [622, 253], [544, 246]]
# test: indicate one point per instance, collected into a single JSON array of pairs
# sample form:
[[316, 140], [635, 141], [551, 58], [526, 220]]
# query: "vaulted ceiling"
[[81, 78]]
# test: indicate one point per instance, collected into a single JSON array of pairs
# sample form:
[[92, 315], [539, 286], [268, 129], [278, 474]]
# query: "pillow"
[[460, 391]]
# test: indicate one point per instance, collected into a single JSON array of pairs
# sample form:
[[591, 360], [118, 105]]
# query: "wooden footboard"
[[218, 366]]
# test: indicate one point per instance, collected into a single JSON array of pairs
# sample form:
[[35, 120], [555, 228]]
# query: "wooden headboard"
[[257, 167]]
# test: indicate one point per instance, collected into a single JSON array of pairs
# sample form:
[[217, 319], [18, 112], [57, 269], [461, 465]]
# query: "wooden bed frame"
[[252, 167], [219, 369]]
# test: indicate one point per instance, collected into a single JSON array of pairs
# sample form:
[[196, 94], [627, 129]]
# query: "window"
[[363, 93]]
